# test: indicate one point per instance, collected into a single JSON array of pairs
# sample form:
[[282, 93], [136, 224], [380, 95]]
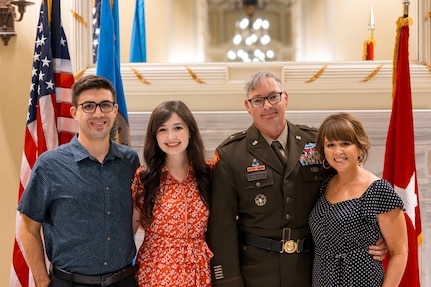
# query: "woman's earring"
[[360, 159], [326, 164]]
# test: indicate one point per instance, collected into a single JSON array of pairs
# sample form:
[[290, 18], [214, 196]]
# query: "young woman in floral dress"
[[171, 193]]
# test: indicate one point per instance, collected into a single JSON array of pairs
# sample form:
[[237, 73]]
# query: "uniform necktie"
[[279, 151]]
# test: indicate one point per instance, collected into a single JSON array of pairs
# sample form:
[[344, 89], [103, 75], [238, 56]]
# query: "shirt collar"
[[80, 153], [282, 138]]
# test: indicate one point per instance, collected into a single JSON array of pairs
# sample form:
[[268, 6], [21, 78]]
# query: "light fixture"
[[251, 41], [8, 17], [256, 4]]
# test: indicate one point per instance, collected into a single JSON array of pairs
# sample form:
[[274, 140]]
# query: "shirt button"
[[108, 238], [258, 184], [285, 181], [108, 212], [288, 199], [107, 188], [105, 263], [288, 216]]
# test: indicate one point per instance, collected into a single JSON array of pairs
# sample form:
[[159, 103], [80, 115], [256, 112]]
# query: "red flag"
[[369, 49], [400, 165], [369, 44], [49, 122]]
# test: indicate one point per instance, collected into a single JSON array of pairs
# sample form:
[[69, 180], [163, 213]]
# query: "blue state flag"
[[138, 45], [108, 63]]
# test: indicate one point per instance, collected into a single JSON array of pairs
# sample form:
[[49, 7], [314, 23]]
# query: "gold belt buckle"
[[290, 246]]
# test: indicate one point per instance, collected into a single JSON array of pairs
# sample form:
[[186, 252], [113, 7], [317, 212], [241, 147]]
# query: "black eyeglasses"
[[259, 102], [90, 107]]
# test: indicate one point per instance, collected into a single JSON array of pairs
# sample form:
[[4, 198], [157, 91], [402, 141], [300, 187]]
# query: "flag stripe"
[[49, 121]]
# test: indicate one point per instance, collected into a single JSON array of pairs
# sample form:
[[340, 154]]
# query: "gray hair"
[[256, 78]]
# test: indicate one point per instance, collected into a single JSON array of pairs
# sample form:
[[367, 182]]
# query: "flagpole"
[[406, 4], [371, 24]]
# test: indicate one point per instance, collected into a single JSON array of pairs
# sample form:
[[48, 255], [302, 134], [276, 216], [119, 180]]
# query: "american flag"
[[96, 28], [49, 123]]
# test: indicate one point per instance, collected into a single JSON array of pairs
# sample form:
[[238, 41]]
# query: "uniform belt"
[[102, 280], [282, 246]]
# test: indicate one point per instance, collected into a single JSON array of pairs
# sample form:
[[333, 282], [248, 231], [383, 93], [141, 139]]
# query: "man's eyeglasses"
[[90, 107], [259, 102]]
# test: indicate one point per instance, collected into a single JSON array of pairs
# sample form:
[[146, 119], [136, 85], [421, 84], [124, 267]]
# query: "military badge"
[[255, 166], [216, 158], [260, 199], [309, 155]]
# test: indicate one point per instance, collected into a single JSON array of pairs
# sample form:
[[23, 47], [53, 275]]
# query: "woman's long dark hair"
[[155, 158]]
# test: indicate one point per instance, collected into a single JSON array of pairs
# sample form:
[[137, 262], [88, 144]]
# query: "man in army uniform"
[[262, 196]]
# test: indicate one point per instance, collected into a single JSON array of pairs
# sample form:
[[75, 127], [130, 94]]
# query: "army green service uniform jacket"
[[252, 193]]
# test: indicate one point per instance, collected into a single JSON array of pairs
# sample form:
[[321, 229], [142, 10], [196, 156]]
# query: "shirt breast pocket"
[[312, 173], [257, 192]]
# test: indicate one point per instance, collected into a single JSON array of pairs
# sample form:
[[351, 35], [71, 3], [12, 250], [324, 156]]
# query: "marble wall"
[[216, 126]]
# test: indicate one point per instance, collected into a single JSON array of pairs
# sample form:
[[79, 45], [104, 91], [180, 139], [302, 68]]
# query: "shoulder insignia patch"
[[216, 158]]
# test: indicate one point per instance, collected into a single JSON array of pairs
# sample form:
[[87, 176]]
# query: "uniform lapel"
[[259, 148]]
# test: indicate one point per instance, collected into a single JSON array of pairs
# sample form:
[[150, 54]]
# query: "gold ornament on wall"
[[317, 75]]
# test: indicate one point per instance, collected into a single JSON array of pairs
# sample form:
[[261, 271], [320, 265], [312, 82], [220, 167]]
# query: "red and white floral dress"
[[174, 251]]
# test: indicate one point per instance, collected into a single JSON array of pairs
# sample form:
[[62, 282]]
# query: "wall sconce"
[[8, 17]]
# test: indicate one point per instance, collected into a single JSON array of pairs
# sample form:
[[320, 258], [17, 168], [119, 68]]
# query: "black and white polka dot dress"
[[342, 233]]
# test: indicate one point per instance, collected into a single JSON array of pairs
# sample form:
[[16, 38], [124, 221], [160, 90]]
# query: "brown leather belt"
[[282, 246], [102, 280]]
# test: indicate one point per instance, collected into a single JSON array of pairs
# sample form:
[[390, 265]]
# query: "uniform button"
[[108, 212], [288, 199], [107, 188], [288, 216], [258, 184], [285, 181], [108, 238], [105, 263]]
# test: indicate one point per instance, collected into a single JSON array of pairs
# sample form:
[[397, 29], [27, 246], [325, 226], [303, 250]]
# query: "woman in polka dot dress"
[[171, 201], [355, 209]]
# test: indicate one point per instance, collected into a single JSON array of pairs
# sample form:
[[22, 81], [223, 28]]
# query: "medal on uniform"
[[260, 199], [309, 155]]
